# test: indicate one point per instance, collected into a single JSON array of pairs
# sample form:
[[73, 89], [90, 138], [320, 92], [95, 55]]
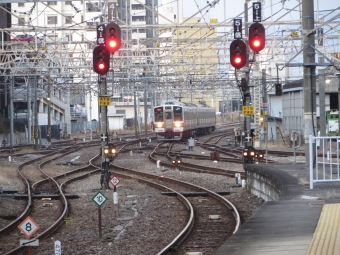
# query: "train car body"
[[176, 120]]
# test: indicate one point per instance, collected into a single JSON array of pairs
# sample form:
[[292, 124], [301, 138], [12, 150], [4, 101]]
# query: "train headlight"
[[177, 124], [259, 155], [106, 150], [159, 124], [252, 153], [113, 150], [245, 153]]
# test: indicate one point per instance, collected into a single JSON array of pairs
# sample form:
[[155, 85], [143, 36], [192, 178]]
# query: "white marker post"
[[57, 247]]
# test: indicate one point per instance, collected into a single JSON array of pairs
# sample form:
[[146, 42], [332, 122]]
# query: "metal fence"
[[324, 166], [85, 125]]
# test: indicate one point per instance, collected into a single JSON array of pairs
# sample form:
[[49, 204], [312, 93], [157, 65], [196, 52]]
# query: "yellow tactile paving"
[[326, 238]]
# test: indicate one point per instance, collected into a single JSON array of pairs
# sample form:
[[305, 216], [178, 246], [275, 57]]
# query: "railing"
[[324, 159]]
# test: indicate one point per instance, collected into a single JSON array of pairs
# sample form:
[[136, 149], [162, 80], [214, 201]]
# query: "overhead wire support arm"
[[289, 64]]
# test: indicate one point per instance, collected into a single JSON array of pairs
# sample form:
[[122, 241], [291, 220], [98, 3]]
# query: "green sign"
[[99, 199]]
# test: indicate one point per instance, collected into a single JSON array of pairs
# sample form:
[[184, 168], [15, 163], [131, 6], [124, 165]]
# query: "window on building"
[[21, 21], [52, 20], [94, 6], [68, 2], [52, 3], [21, 4], [137, 7], [93, 23], [138, 31], [120, 111], [51, 37], [68, 19], [69, 38], [138, 18]]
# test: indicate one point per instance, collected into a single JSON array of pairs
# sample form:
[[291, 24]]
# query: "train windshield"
[[159, 114], [178, 113]]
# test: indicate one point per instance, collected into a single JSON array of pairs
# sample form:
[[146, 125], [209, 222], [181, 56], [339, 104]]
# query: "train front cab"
[[168, 122]]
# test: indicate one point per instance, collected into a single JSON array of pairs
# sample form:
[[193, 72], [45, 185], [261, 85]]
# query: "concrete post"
[[322, 103], [309, 82]]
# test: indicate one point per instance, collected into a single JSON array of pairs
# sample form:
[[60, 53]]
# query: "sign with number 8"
[[28, 227]]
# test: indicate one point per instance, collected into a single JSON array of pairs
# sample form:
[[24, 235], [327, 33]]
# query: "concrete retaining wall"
[[270, 183]]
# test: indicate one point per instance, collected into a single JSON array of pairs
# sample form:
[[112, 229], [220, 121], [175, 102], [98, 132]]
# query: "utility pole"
[[11, 111], [90, 107], [145, 113], [29, 116], [103, 113], [36, 110], [265, 110], [309, 81], [322, 102], [135, 108], [246, 97], [338, 74], [49, 107]]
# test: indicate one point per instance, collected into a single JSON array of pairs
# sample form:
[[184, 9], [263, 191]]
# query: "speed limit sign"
[[28, 227], [99, 199], [114, 180]]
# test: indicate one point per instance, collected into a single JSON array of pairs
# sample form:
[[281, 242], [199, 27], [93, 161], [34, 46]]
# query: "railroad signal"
[[278, 89], [101, 60], [244, 85], [257, 37], [238, 54], [177, 161], [112, 37]]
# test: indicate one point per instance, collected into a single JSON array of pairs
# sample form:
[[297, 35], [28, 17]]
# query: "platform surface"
[[306, 222]]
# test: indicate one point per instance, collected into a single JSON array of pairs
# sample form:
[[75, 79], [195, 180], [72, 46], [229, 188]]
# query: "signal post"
[[108, 41], [239, 54]]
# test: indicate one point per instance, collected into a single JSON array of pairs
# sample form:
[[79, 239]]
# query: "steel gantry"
[[180, 57]]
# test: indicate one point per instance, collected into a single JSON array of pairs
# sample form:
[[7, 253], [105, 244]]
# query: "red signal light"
[[112, 37], [238, 60], [256, 43], [238, 54], [101, 66], [101, 59], [112, 44], [257, 37]]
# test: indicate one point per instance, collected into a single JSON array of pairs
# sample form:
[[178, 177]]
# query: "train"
[[174, 121]]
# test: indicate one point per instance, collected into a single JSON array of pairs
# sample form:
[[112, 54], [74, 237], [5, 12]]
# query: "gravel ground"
[[142, 221]]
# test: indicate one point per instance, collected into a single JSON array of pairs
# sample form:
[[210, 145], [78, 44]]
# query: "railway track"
[[41, 182], [57, 212], [42, 186], [196, 237]]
